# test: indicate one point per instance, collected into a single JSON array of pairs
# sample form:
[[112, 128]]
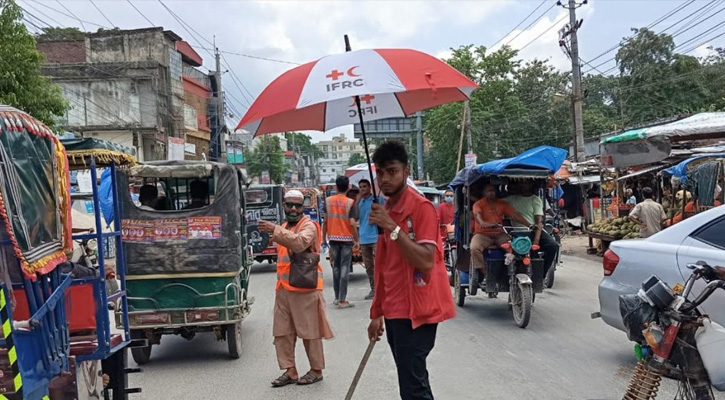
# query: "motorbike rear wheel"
[[521, 299], [459, 293], [452, 258], [549, 278]]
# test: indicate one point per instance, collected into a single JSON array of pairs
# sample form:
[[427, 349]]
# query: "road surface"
[[562, 354]]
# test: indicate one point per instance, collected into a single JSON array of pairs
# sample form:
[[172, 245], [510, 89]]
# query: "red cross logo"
[[334, 75], [367, 99]]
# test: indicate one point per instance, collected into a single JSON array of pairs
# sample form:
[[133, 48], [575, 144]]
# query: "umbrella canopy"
[[321, 95]]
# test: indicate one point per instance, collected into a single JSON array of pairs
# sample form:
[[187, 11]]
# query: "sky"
[[262, 39]]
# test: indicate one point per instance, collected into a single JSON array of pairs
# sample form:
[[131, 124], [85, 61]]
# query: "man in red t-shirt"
[[489, 213], [412, 294]]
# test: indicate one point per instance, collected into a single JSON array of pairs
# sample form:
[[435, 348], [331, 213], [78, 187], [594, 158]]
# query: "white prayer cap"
[[294, 194]]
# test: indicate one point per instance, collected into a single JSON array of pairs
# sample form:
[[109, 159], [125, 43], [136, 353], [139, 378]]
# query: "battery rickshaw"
[[188, 259], [57, 341], [516, 268]]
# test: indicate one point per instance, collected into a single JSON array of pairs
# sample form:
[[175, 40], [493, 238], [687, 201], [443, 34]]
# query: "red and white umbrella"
[[355, 87], [321, 95]]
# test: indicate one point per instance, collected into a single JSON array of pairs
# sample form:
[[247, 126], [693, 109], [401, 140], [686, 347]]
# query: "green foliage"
[[299, 142], [21, 84], [356, 159], [268, 156], [58, 33], [521, 105]]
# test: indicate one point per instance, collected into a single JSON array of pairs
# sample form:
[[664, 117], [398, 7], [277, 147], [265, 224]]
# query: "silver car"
[[666, 254]]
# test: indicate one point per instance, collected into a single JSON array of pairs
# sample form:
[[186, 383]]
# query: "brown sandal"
[[308, 379], [283, 380]]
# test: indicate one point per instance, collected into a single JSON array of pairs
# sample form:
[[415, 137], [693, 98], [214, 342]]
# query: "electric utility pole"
[[576, 75]]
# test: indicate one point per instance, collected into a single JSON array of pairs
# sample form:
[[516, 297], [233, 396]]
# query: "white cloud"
[[702, 51]]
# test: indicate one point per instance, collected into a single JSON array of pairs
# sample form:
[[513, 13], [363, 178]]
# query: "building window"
[[324, 170]]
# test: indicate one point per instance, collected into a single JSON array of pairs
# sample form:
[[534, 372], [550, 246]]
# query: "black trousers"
[[550, 248], [410, 349]]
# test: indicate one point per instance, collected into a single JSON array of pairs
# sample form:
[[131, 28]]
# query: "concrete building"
[[336, 155], [138, 88]]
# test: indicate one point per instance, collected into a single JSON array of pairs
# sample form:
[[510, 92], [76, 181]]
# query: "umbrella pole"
[[362, 128], [365, 139]]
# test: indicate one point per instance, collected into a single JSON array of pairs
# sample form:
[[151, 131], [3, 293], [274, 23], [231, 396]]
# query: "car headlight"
[[521, 245]]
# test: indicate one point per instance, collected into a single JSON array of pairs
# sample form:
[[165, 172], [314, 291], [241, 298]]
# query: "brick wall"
[[200, 104], [63, 52]]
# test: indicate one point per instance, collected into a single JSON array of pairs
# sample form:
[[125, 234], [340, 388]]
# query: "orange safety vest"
[[284, 263], [339, 228]]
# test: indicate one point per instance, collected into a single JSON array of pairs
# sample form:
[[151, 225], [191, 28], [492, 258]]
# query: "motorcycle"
[[517, 268], [450, 250], [673, 339]]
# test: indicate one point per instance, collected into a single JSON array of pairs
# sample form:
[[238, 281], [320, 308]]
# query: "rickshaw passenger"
[[198, 190], [148, 196], [489, 213], [531, 208]]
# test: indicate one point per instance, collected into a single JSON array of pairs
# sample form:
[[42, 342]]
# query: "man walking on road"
[[340, 234], [412, 294], [368, 232], [298, 312]]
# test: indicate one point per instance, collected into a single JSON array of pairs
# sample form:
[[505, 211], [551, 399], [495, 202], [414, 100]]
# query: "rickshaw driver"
[[489, 213], [530, 206]]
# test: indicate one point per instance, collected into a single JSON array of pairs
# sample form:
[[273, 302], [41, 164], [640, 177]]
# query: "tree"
[[355, 159], [268, 156], [21, 84], [298, 142], [58, 33]]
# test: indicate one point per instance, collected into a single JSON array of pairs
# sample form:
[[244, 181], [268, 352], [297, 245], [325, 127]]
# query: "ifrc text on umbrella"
[[368, 109], [349, 79]]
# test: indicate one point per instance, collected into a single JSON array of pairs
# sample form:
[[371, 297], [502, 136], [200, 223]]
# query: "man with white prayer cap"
[[298, 311]]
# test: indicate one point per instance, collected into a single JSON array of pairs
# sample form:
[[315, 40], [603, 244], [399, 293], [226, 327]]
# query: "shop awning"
[[642, 172], [584, 180]]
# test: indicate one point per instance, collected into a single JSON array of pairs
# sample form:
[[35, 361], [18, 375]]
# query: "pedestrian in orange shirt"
[[412, 294]]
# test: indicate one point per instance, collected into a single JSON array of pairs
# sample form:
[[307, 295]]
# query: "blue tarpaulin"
[[542, 157], [105, 194], [680, 170]]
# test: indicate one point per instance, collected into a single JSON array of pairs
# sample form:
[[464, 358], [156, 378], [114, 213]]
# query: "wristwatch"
[[394, 234]]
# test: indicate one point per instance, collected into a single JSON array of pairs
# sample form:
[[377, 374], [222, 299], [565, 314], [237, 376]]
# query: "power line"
[[255, 57], [545, 32], [142, 14], [688, 16], [29, 4], [71, 13], [519, 24], [101, 12], [697, 17], [530, 25], [650, 26]]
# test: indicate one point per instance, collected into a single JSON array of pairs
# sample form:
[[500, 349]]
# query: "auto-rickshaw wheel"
[[234, 339], [521, 299], [459, 293], [141, 355]]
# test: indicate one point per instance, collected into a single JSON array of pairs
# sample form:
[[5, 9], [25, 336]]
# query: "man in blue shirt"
[[368, 232]]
